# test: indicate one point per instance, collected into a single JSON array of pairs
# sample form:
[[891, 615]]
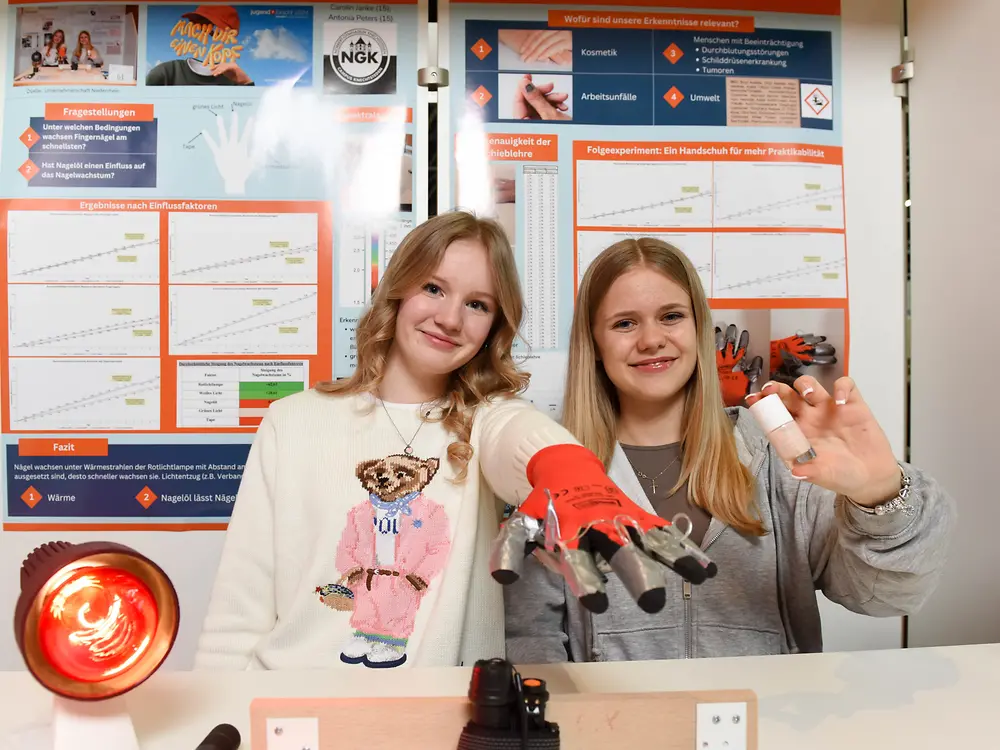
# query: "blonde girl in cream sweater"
[[360, 536]]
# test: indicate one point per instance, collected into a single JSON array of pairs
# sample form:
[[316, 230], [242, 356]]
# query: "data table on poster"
[[226, 394], [541, 250]]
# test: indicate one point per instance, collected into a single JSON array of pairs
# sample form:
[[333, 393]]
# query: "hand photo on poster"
[[76, 46], [505, 197], [535, 49], [225, 45], [742, 341], [534, 96], [808, 342]]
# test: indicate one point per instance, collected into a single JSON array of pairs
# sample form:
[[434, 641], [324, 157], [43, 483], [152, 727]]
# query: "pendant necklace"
[[408, 450], [652, 480]]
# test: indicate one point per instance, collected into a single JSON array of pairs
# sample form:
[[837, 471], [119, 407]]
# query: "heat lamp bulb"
[[96, 623], [94, 620]]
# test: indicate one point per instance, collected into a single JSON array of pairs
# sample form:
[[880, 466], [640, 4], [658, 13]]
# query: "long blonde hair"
[[717, 479], [491, 372], [79, 47]]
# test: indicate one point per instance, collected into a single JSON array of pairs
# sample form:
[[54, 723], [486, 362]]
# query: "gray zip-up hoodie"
[[763, 600]]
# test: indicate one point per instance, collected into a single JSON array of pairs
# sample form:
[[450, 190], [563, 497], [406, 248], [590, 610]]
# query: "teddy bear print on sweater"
[[392, 547]]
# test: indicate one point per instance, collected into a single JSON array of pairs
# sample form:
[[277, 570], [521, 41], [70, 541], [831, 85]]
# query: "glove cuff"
[[553, 463]]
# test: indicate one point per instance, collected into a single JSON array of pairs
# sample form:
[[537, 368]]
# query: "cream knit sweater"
[[328, 490]]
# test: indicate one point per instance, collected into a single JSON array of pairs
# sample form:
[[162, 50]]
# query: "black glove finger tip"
[[652, 601], [505, 577], [596, 602], [691, 570]]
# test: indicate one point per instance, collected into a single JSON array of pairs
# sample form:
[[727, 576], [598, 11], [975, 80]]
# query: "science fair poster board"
[[198, 200], [715, 126]]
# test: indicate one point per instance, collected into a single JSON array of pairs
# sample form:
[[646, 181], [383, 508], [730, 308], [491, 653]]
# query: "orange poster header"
[[521, 147], [52, 447], [681, 151], [173, 2], [140, 204], [808, 7], [669, 21], [76, 111], [373, 114]]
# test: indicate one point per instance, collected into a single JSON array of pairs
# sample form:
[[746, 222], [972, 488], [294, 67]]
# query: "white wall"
[[874, 194], [955, 257], [873, 190]]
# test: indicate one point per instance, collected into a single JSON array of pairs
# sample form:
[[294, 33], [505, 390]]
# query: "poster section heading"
[[91, 145], [615, 70], [809, 7]]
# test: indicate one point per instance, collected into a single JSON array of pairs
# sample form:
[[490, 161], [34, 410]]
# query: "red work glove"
[[576, 519], [736, 374], [789, 355]]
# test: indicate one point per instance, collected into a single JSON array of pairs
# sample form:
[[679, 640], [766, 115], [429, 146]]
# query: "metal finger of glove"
[[639, 573], [741, 350], [679, 553], [751, 369], [824, 350], [824, 360], [577, 566], [523, 534], [731, 332], [579, 569], [518, 536], [811, 339]]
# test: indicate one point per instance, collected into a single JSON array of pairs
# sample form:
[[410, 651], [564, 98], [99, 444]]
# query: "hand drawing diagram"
[[234, 157]]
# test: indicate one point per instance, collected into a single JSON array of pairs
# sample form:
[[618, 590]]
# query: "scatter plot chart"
[[776, 265], [243, 320], [644, 194]]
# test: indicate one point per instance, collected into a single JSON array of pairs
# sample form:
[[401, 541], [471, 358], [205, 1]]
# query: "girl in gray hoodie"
[[643, 393]]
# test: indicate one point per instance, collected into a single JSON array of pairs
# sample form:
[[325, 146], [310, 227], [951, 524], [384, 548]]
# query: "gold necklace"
[[652, 480]]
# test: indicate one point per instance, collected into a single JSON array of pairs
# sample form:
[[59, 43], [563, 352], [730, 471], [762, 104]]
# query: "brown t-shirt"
[[657, 468]]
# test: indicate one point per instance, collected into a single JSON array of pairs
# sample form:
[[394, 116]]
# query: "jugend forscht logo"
[[359, 57]]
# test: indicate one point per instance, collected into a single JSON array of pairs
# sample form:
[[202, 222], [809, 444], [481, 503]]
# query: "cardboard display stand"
[[697, 720]]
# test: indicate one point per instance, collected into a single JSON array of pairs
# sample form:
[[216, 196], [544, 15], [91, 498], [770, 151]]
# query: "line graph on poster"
[[236, 248], [643, 194], [74, 246], [779, 194], [697, 246], [83, 320], [84, 394], [790, 264], [243, 320]]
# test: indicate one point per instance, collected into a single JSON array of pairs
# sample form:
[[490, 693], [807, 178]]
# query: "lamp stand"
[[79, 725]]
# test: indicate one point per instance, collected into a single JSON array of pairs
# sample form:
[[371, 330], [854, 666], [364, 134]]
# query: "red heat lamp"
[[93, 621]]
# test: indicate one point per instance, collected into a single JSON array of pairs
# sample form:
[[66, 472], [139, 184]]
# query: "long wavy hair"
[[491, 372], [717, 479]]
